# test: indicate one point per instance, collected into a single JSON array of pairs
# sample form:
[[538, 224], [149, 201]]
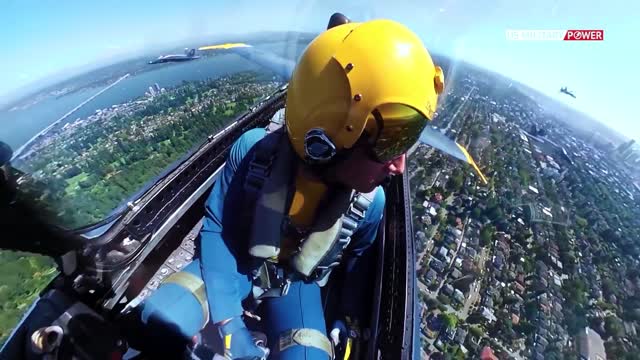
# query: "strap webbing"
[[194, 285], [306, 337], [350, 221]]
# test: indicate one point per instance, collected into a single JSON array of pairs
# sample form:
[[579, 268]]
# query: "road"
[[464, 228], [474, 294], [427, 248], [415, 172], [447, 202], [429, 238], [467, 97], [540, 185], [435, 178], [453, 258], [423, 287], [514, 355]]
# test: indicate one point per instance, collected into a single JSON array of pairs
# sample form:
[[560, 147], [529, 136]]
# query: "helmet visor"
[[399, 127]]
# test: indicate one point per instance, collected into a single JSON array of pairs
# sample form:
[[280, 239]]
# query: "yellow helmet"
[[374, 77]]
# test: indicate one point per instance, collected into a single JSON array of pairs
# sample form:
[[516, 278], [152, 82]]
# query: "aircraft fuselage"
[[173, 58]]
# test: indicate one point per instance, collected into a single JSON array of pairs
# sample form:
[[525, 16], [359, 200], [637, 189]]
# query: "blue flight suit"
[[226, 266]]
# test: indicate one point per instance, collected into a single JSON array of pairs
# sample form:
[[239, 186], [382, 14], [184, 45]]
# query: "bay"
[[18, 126]]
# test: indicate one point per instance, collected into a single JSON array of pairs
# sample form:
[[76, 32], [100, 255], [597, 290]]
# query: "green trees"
[[575, 290], [553, 352], [455, 181], [609, 287], [449, 320], [486, 234], [476, 331], [613, 326], [582, 222], [432, 303], [631, 306], [22, 277], [521, 235], [444, 299], [441, 216], [106, 161], [523, 173], [525, 327], [504, 327], [617, 350], [494, 211], [574, 310]]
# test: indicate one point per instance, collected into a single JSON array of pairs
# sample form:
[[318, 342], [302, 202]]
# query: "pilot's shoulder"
[[376, 208], [248, 139], [244, 143]]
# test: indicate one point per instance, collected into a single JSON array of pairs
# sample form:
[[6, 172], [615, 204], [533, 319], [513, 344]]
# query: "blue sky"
[[40, 38]]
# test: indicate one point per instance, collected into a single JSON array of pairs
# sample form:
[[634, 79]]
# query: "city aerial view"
[[90, 165], [541, 261]]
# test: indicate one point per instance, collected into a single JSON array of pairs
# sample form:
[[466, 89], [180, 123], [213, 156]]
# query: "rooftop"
[[591, 345]]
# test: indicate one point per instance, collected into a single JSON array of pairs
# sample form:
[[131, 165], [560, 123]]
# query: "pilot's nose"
[[397, 165]]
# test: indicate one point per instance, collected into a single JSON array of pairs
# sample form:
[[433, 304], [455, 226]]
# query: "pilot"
[[293, 203]]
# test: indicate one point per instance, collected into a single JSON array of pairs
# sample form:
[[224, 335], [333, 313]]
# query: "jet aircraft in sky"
[[565, 91], [189, 54]]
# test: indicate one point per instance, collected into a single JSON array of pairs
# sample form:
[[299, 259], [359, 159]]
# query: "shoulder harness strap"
[[262, 161], [266, 194], [351, 220]]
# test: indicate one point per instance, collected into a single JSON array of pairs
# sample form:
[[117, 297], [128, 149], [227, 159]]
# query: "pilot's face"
[[361, 173]]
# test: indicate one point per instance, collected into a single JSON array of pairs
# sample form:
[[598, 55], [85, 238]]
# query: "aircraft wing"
[[281, 66], [438, 140]]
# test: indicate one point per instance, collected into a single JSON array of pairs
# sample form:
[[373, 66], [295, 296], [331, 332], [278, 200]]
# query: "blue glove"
[[238, 342], [339, 333], [345, 335]]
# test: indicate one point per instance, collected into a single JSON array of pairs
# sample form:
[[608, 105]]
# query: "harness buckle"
[[271, 280], [261, 166], [359, 206], [258, 171], [284, 290]]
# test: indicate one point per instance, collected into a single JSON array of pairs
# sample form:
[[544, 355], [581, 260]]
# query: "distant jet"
[[564, 90], [189, 54]]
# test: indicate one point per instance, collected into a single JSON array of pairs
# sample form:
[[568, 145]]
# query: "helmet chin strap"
[[327, 172], [310, 191]]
